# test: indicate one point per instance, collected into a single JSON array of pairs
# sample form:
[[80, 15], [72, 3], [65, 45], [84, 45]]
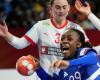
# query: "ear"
[[79, 44]]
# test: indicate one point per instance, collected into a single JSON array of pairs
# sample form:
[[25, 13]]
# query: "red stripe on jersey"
[[55, 25], [30, 40]]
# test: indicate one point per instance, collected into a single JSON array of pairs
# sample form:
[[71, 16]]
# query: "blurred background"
[[20, 15]]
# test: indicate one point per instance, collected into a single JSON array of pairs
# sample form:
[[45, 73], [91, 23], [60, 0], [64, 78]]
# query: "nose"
[[61, 10], [65, 41]]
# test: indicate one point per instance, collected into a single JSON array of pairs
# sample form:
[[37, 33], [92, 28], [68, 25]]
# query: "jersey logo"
[[44, 49], [51, 51], [65, 74]]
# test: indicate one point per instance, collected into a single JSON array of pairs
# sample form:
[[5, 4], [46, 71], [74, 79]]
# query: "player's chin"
[[66, 53], [61, 17]]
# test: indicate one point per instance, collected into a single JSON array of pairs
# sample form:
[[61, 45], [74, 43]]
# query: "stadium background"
[[22, 14]]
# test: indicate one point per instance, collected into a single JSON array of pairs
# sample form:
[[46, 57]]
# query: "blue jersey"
[[71, 73], [85, 66]]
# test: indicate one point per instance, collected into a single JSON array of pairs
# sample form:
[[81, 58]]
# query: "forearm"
[[18, 43], [95, 21], [8, 37], [85, 60]]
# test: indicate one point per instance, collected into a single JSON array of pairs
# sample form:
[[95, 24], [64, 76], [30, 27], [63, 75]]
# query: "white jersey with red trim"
[[47, 36]]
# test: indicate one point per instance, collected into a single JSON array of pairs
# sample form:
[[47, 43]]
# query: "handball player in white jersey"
[[46, 34]]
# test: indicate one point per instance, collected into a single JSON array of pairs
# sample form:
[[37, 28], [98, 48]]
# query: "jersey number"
[[76, 76], [57, 40]]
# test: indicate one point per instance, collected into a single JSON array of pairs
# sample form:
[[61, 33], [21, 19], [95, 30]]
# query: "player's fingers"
[[53, 64], [76, 6], [79, 4], [4, 23], [32, 57], [87, 4], [58, 64], [37, 63]]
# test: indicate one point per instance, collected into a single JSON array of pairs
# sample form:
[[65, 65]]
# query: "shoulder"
[[84, 51], [42, 23], [73, 24]]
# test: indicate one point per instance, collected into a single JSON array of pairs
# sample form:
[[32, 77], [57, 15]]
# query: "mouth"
[[65, 49]]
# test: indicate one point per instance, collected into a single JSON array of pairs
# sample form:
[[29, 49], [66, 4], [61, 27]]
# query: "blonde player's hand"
[[86, 10], [62, 64], [3, 29]]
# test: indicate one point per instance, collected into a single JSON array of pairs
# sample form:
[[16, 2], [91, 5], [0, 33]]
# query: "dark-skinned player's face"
[[70, 42]]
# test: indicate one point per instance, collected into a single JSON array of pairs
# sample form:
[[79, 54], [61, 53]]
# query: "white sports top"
[[47, 36]]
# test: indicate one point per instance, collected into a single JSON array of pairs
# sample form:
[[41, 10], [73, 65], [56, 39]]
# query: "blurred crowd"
[[25, 13]]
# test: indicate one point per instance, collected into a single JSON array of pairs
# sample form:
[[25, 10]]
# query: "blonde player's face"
[[69, 43], [60, 9]]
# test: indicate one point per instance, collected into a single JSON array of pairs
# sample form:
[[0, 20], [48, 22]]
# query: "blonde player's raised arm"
[[18, 43], [4, 32], [86, 10]]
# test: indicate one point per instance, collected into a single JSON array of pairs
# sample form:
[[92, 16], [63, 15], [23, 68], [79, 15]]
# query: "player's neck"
[[59, 23]]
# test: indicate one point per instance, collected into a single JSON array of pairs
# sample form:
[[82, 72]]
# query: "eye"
[[69, 39], [64, 7], [57, 7]]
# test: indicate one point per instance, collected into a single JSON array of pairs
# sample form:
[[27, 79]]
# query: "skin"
[[59, 11], [71, 41], [85, 10]]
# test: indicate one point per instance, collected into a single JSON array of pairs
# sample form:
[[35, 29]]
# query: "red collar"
[[55, 25]]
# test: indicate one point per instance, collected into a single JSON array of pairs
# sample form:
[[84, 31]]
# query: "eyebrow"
[[61, 6]]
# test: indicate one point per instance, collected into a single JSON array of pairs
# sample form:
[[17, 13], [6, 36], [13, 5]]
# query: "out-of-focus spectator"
[[26, 13]]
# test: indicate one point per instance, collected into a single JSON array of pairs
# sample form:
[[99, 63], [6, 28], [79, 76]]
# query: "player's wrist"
[[88, 14], [8, 37]]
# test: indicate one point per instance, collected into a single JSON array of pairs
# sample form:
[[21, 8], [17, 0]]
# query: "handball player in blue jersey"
[[81, 61], [46, 34]]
